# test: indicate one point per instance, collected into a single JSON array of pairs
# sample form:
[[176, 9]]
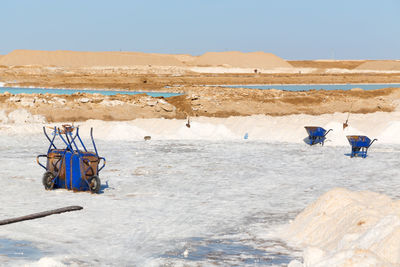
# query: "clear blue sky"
[[314, 29]]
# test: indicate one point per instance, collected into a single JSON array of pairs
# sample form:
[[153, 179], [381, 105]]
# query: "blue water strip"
[[17, 90]]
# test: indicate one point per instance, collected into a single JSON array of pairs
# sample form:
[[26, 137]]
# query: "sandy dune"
[[112, 59], [241, 60], [173, 73], [327, 64], [176, 64], [86, 59], [386, 65]]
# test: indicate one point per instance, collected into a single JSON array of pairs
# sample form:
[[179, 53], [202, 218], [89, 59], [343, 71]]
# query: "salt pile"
[[20, 116], [383, 126], [345, 228]]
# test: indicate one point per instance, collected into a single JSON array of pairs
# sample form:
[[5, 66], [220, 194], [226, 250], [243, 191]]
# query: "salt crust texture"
[[342, 228]]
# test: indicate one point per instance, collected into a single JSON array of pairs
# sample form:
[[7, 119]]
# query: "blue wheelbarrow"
[[316, 135], [72, 167], [359, 145]]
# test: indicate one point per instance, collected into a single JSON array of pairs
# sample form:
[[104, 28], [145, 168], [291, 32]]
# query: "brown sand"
[[241, 60], [113, 59], [86, 59], [133, 79], [327, 64], [131, 71], [380, 65], [233, 59], [224, 102], [202, 101]]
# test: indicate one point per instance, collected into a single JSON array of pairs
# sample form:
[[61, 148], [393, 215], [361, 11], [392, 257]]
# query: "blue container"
[[316, 135], [359, 145], [71, 168]]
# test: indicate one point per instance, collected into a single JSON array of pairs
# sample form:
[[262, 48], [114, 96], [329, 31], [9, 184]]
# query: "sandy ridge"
[[386, 65], [201, 101], [85, 59], [93, 59], [241, 60]]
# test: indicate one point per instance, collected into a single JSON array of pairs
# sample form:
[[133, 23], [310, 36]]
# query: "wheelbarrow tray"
[[359, 145], [315, 131], [55, 160], [316, 135], [359, 140], [73, 169]]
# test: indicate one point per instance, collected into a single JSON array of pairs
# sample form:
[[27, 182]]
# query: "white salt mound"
[[47, 262], [345, 228], [21, 116]]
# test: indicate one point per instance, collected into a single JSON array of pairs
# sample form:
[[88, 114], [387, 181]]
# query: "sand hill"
[[93, 59], [86, 59], [241, 60], [382, 65]]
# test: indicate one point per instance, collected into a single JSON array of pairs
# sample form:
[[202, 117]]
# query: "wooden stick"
[[40, 214]]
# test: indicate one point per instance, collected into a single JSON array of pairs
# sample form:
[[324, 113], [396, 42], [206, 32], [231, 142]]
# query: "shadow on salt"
[[198, 249], [19, 249]]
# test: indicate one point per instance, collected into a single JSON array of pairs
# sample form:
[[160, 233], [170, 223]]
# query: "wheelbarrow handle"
[[104, 163], [38, 161], [328, 132], [372, 142]]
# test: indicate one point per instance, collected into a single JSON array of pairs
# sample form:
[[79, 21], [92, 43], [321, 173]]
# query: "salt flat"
[[171, 201]]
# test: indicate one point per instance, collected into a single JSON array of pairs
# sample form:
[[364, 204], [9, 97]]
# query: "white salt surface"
[[287, 129], [189, 197]]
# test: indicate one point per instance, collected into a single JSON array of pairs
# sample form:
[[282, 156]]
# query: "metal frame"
[[316, 134], [359, 145], [66, 135]]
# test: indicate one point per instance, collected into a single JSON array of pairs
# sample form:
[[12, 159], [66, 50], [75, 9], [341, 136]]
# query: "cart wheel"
[[48, 180], [94, 184]]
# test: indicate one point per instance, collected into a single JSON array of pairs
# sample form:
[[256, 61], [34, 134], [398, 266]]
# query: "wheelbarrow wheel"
[[48, 180], [94, 184]]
